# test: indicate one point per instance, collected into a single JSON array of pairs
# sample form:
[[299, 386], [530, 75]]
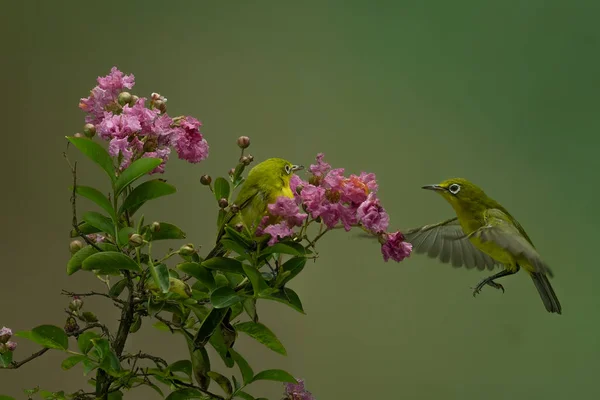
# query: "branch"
[[157, 360], [17, 364], [92, 293]]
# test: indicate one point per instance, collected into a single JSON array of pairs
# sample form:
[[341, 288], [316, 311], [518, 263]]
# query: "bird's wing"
[[499, 229], [447, 241]]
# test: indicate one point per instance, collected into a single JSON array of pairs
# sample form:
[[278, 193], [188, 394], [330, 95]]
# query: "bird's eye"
[[454, 188], [288, 169]]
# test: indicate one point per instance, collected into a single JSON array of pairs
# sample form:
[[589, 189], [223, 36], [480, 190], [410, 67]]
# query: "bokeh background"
[[504, 93]]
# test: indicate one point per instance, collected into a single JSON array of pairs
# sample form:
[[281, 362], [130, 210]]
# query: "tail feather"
[[542, 284]]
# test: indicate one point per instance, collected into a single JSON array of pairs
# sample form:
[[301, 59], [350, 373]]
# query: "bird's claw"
[[477, 289]]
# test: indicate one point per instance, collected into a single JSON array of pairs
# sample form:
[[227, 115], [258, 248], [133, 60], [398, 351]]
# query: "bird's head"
[[460, 193], [276, 168]]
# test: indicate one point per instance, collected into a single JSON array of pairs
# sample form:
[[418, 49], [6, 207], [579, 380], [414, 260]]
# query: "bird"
[[483, 235], [265, 182]]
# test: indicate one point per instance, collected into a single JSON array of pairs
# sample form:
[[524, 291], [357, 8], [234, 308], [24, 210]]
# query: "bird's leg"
[[490, 280]]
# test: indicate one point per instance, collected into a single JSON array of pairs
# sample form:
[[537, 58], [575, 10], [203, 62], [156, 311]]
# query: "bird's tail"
[[542, 284]]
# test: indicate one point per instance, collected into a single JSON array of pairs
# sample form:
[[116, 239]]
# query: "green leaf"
[[97, 197], [277, 375], [88, 366], [185, 394], [294, 266], [221, 188], [146, 191], [294, 249], [109, 263], [136, 170], [289, 297], [250, 307], [208, 326], [237, 237], [236, 309], [111, 364], [217, 341], [222, 381], [6, 359], [200, 361], [96, 153], [72, 361], [243, 395], [184, 366], [229, 244], [117, 288], [84, 341], [162, 277], [199, 272], [258, 282], [224, 297], [123, 236], [77, 259], [85, 229], [262, 334], [221, 280], [167, 231], [118, 395], [99, 221], [48, 336], [161, 326], [3, 397], [245, 369], [224, 264]]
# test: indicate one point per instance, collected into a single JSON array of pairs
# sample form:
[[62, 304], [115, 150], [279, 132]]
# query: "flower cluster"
[[5, 344], [135, 130], [297, 391], [338, 201]]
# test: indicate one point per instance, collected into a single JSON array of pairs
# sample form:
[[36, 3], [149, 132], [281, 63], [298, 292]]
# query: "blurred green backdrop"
[[504, 93]]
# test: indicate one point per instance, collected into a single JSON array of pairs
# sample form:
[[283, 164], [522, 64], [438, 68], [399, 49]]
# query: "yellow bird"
[[483, 234]]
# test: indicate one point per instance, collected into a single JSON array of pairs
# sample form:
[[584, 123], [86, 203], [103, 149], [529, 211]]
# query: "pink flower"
[[395, 247], [288, 209], [116, 80], [188, 141], [106, 92], [313, 198], [163, 130], [334, 179], [126, 148], [5, 334], [372, 215], [95, 237], [356, 188], [118, 126], [321, 167], [296, 391], [278, 231], [11, 346], [143, 115], [162, 153]]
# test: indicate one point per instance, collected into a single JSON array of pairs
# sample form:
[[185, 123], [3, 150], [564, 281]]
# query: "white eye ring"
[[454, 188], [288, 170]]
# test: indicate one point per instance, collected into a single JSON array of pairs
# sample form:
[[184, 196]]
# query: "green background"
[[504, 93]]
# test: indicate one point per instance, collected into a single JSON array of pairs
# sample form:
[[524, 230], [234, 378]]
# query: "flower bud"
[[89, 317], [155, 227], [231, 171], [5, 334], [161, 105], [124, 98], [75, 246], [250, 158], [134, 100], [299, 189], [71, 325], [234, 208], [239, 227], [137, 323], [223, 202], [11, 346], [187, 249], [314, 180], [136, 240], [78, 135], [245, 160], [89, 130], [243, 142], [205, 180], [76, 303]]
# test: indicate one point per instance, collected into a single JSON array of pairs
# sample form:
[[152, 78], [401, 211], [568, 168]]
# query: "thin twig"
[[157, 360], [92, 293], [17, 364]]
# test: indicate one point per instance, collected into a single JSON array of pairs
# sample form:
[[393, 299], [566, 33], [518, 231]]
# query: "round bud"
[[78, 135], [160, 105], [89, 317], [234, 208], [187, 249], [76, 303], [134, 100], [155, 227], [299, 189], [124, 98], [243, 142], [250, 158], [75, 246], [5, 334], [71, 325], [314, 180], [89, 130], [231, 171], [11, 346], [245, 160], [223, 202], [239, 227], [136, 240], [205, 180]]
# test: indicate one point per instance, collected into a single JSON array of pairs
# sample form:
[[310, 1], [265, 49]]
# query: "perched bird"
[[483, 234], [265, 182]]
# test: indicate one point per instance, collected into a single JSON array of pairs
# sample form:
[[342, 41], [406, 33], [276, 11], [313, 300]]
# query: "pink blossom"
[[5, 334], [321, 167], [162, 153], [395, 247], [126, 148], [334, 179], [355, 189], [188, 141], [288, 209], [116, 80], [11, 346], [95, 237], [313, 198], [118, 126], [143, 115], [106, 92], [163, 129], [278, 231], [372, 215], [296, 391]]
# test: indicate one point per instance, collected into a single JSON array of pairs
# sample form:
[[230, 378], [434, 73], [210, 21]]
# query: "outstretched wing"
[[501, 230], [447, 241]]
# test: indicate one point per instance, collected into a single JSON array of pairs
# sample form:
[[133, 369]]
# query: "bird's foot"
[[480, 285]]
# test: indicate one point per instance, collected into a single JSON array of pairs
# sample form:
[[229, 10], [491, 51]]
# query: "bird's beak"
[[297, 167], [433, 187]]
